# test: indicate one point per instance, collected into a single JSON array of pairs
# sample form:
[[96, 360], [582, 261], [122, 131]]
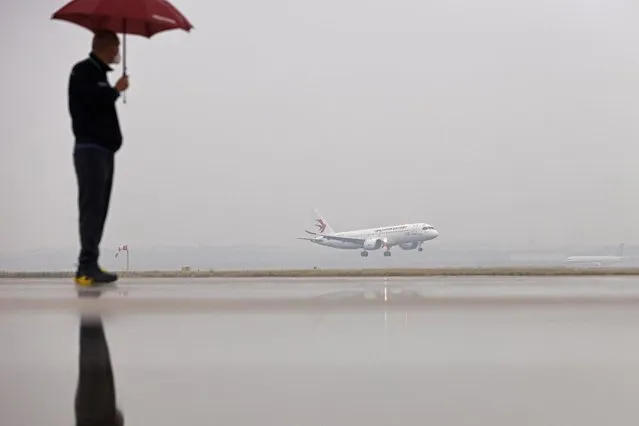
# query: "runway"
[[145, 295], [454, 351]]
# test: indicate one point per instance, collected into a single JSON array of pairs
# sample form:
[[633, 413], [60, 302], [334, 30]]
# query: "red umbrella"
[[138, 17]]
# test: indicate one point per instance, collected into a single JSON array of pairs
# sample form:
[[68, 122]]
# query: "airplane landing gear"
[[420, 249], [364, 253], [387, 253]]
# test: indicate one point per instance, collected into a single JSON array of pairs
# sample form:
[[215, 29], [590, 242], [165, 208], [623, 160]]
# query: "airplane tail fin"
[[620, 250], [322, 225]]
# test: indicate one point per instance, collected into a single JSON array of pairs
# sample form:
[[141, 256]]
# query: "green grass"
[[319, 273]]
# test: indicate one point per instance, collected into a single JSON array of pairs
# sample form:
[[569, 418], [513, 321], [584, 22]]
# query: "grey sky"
[[503, 121]]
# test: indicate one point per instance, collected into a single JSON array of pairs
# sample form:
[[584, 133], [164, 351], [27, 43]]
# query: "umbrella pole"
[[124, 55]]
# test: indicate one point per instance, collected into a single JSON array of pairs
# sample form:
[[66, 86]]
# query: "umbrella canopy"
[[139, 17]]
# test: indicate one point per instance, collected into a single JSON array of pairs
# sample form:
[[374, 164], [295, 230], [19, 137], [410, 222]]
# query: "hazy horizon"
[[305, 257]]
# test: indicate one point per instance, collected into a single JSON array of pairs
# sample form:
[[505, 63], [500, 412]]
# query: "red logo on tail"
[[321, 225]]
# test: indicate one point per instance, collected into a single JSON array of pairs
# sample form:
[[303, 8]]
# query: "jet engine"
[[409, 246], [373, 243]]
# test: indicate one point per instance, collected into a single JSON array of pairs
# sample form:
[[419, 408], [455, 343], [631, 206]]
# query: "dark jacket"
[[94, 118]]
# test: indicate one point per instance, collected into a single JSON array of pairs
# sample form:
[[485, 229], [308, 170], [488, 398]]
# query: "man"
[[97, 138]]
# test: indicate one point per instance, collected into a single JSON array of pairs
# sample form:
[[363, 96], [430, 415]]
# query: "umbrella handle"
[[124, 56]]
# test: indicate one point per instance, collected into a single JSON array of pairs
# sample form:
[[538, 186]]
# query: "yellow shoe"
[[94, 276], [84, 281]]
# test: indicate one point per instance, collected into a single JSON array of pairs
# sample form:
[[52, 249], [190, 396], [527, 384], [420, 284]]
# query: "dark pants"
[[95, 403], [94, 171]]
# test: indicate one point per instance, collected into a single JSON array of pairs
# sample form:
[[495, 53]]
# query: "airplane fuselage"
[[408, 236]]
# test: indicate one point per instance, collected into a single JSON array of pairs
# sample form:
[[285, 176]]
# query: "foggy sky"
[[496, 121]]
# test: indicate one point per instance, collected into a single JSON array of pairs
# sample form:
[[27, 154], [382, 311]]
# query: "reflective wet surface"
[[567, 358]]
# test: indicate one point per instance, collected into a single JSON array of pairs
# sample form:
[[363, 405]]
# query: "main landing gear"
[[365, 253], [419, 247]]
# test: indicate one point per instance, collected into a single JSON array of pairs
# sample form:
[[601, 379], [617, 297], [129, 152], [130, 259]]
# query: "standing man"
[[97, 138]]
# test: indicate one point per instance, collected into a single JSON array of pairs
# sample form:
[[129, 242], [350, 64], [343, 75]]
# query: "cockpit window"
[[425, 228]]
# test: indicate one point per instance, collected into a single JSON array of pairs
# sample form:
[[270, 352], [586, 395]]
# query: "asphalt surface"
[[454, 351]]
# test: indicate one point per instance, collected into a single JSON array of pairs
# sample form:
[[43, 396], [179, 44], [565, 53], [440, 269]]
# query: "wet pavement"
[[454, 351]]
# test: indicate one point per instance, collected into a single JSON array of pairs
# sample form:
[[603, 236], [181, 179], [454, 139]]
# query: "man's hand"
[[122, 84]]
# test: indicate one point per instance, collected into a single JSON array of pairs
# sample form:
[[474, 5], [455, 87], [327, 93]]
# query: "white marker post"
[[126, 249]]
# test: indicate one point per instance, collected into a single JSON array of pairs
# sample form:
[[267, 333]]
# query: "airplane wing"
[[336, 238]]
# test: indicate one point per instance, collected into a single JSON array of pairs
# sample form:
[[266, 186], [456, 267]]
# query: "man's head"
[[106, 46]]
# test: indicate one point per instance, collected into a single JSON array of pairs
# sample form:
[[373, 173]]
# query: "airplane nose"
[[435, 233]]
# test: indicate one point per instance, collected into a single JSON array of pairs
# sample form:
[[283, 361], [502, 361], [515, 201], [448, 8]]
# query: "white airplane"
[[596, 260], [409, 236]]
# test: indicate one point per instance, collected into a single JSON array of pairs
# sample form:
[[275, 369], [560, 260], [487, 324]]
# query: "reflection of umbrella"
[[139, 17]]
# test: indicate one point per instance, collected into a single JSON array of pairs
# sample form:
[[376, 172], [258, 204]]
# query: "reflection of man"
[[98, 137], [95, 395]]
